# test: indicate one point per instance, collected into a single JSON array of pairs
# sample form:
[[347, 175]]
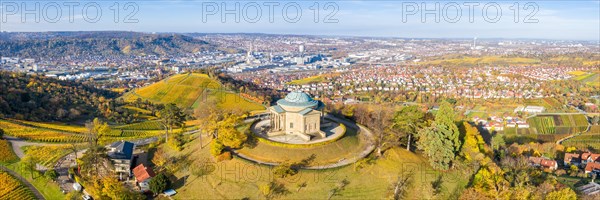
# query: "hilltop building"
[[297, 114]]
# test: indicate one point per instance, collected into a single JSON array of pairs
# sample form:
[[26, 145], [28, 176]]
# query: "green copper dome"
[[298, 99]]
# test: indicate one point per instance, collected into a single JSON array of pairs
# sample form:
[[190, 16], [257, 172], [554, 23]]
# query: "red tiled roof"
[[570, 156], [142, 173], [548, 163], [591, 166]]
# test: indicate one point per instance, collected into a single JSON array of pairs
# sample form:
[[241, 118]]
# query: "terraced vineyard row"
[[6, 153], [543, 125], [39, 134], [55, 126], [12, 188], [47, 155], [147, 125], [584, 141]]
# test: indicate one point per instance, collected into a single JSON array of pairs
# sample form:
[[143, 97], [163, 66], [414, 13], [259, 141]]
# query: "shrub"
[[159, 183], [216, 148], [224, 156], [284, 169], [51, 174]]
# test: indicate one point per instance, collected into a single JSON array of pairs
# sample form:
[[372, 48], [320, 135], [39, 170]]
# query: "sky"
[[550, 19]]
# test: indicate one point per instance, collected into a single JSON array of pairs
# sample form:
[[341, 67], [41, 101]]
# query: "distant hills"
[[104, 43]]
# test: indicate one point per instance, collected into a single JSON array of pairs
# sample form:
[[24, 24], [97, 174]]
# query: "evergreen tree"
[[441, 141]]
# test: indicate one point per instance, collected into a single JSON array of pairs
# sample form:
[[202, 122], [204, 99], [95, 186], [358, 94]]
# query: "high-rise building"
[[301, 48]]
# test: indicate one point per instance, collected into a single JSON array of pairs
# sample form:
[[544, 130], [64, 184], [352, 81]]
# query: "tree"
[[564, 194], [29, 162], [216, 148], [159, 183], [231, 137], [171, 116], [441, 141], [408, 121], [96, 130], [111, 187], [51, 174]]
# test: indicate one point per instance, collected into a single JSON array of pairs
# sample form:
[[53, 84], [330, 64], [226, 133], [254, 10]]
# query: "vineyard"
[[191, 91], [147, 125], [13, 188], [590, 139], [56, 133], [558, 124], [6, 153], [39, 134], [181, 89], [54, 126], [47, 155], [543, 125]]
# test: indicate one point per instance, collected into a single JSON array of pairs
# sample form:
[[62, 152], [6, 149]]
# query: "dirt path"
[[34, 190]]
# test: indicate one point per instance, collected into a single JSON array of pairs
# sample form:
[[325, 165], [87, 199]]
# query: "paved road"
[[35, 192], [343, 162], [17, 143]]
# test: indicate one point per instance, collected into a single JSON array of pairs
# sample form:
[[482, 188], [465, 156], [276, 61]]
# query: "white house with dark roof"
[[121, 155], [297, 114]]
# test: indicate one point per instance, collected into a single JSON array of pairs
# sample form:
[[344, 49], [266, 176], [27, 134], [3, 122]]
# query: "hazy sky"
[[550, 19]]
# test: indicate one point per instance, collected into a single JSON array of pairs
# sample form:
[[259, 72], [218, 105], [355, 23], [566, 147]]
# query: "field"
[[308, 80], [58, 133], [147, 125], [47, 155], [232, 102], [190, 91], [460, 61], [312, 79], [589, 78], [543, 125], [12, 188], [374, 181], [558, 124], [38, 134], [577, 73], [6, 153], [55, 126], [590, 139]]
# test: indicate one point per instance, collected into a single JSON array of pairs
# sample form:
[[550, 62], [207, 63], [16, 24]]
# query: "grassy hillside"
[[190, 91], [373, 181]]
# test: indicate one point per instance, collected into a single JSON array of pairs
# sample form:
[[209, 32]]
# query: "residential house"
[[572, 159], [121, 155], [543, 162], [592, 167], [588, 157], [143, 175]]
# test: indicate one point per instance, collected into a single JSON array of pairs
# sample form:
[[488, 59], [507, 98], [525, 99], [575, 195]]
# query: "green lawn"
[[48, 188], [345, 148]]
